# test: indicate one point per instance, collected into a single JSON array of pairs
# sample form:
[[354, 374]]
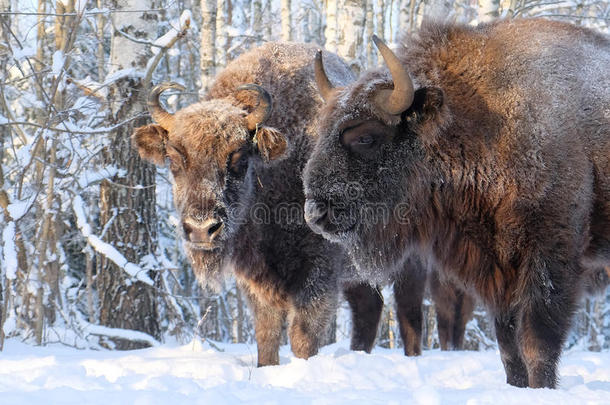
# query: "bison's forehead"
[[209, 131], [356, 101]]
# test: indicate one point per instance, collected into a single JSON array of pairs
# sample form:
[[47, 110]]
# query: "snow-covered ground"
[[200, 374]]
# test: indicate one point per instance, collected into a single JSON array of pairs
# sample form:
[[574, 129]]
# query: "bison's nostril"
[[214, 228]]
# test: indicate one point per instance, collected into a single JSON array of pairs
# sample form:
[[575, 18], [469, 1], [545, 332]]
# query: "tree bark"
[[222, 35], [286, 20], [352, 32], [208, 44], [127, 201], [488, 10], [330, 33]]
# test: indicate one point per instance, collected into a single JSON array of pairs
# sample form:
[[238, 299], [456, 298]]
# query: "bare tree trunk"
[[412, 15], [257, 19], [330, 33], [315, 24], [127, 201], [352, 32], [381, 18], [488, 10], [286, 20], [222, 35], [208, 44], [371, 53], [100, 42], [269, 21]]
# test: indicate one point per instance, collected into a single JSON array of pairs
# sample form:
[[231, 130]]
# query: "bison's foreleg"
[[366, 303], [268, 322], [308, 324], [506, 333], [409, 294]]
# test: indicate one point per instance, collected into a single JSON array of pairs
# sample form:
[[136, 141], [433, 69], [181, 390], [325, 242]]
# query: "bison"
[[236, 159], [488, 148]]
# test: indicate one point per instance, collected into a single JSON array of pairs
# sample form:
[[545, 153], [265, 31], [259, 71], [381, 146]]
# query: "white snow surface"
[[200, 374]]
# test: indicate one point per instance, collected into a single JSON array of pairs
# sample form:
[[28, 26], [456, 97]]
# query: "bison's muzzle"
[[202, 235]]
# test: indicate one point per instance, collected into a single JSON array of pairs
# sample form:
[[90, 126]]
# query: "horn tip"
[[376, 40], [319, 54]]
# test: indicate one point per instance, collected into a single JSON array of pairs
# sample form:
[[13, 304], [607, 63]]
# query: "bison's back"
[[531, 99]]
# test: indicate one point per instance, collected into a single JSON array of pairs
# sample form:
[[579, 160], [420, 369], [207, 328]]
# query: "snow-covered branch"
[[105, 249]]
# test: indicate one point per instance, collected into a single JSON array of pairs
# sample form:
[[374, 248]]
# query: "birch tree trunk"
[[381, 19], [352, 32], [488, 10], [208, 44], [371, 54], [286, 20], [257, 19], [330, 33], [127, 201], [222, 35]]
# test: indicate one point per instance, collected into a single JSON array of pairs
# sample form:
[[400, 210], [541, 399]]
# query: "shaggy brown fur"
[[499, 170]]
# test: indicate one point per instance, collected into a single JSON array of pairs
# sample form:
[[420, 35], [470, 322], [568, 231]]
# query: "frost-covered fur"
[[499, 172]]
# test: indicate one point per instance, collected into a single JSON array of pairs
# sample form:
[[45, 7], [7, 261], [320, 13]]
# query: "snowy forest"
[[90, 255]]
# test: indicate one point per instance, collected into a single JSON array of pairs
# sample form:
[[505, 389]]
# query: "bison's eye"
[[237, 162], [364, 138]]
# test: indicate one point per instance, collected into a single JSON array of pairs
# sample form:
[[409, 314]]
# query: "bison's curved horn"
[[400, 98], [324, 85], [262, 111], [158, 113]]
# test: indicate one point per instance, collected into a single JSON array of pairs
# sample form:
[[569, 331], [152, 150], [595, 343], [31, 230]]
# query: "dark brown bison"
[[489, 150]]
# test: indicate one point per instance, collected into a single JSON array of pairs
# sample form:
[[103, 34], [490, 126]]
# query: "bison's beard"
[[378, 250], [209, 267]]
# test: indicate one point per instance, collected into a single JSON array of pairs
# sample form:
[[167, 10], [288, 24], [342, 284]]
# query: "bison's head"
[[210, 147], [367, 177]]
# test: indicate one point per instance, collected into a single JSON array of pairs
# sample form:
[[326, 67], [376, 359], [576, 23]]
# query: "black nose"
[[316, 215]]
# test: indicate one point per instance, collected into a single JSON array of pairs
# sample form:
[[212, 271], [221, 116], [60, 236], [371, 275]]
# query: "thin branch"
[[71, 131], [152, 66], [86, 13]]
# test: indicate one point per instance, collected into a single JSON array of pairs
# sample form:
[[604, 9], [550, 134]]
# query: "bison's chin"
[[208, 266], [375, 256]]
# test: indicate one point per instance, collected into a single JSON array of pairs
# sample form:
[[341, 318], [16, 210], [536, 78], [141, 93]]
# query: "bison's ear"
[[150, 141], [270, 143], [426, 103]]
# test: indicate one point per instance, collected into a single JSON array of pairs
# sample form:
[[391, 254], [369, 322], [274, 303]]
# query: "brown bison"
[[488, 147], [236, 163]]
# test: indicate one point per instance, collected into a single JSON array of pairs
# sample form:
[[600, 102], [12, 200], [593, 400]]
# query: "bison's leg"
[[506, 333], [453, 310], [463, 313], [445, 302], [268, 329], [409, 294], [366, 303], [307, 325], [542, 332]]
